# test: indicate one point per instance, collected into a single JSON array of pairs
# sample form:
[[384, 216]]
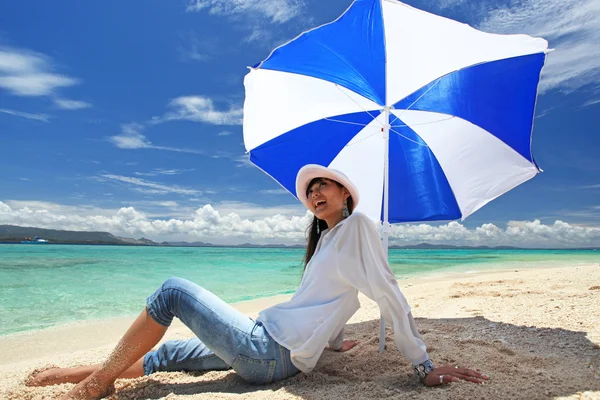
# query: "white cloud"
[[150, 191], [37, 117], [255, 211], [161, 171], [200, 109], [204, 223], [275, 191], [192, 48], [71, 104], [34, 84], [591, 102], [256, 18], [148, 186], [243, 161], [194, 54], [131, 138], [258, 34], [20, 61], [167, 203], [27, 73], [225, 133], [517, 233], [444, 4], [275, 11], [241, 222], [572, 27]]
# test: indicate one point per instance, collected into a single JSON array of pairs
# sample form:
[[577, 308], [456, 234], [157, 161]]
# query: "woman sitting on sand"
[[344, 256]]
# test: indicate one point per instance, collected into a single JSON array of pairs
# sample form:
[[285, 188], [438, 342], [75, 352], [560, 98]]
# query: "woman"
[[344, 256]]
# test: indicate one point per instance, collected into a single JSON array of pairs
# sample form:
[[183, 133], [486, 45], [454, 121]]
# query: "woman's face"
[[326, 198]]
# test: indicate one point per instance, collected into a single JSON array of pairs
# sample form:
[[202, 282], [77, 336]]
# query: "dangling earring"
[[318, 228], [345, 213]]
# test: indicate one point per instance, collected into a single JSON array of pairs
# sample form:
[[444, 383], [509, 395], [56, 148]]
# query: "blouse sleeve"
[[364, 265]]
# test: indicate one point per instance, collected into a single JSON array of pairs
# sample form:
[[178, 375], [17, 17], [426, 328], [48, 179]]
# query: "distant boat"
[[36, 240]]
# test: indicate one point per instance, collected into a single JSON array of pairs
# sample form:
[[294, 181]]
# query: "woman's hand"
[[448, 374], [347, 345]]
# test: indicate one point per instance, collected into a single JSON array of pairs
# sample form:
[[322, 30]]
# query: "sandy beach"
[[535, 332]]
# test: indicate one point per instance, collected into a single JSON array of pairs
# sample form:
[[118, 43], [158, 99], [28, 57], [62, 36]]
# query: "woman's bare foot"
[[90, 388], [32, 378], [43, 378], [53, 375]]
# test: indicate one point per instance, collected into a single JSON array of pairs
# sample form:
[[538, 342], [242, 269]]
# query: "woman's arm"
[[363, 264]]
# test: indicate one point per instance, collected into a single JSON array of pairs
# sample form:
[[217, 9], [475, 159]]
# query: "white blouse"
[[349, 258]]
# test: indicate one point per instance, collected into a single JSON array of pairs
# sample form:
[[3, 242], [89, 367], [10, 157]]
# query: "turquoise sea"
[[48, 285]]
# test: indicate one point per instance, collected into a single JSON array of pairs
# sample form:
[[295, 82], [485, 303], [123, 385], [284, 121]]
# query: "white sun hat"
[[312, 171]]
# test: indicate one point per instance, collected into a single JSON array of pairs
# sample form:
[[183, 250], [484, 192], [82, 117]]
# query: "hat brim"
[[312, 171]]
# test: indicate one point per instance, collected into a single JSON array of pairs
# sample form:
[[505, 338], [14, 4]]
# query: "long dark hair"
[[311, 231]]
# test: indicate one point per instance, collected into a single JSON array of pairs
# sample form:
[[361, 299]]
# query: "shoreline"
[[45, 342], [303, 247], [260, 303], [534, 331]]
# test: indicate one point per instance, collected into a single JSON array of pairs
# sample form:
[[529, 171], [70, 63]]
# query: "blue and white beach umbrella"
[[458, 104], [430, 118]]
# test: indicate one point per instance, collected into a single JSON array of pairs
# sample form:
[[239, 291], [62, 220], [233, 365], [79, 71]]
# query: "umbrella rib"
[[363, 139], [355, 102], [415, 102], [344, 122], [409, 139], [424, 123]]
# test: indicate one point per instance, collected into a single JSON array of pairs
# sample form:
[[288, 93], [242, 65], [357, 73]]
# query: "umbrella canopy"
[[429, 118], [458, 103]]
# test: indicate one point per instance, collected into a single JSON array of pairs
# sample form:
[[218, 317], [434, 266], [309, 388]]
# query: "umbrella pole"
[[386, 225]]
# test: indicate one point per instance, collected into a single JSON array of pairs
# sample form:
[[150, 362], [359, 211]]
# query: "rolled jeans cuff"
[[154, 303]]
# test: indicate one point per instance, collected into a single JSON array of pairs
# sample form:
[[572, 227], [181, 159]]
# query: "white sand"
[[536, 333]]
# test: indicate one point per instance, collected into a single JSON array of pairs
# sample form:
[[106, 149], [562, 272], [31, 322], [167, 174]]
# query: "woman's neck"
[[333, 222]]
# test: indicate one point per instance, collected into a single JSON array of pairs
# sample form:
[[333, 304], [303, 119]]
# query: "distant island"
[[16, 234], [10, 234]]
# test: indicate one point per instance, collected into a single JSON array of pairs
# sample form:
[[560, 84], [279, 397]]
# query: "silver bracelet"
[[423, 369]]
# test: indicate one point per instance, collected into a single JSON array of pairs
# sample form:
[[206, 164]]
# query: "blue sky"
[[126, 117]]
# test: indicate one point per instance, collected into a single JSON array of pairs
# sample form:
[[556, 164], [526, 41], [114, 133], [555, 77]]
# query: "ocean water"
[[48, 285]]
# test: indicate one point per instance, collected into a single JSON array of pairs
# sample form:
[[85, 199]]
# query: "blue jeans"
[[226, 338]]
